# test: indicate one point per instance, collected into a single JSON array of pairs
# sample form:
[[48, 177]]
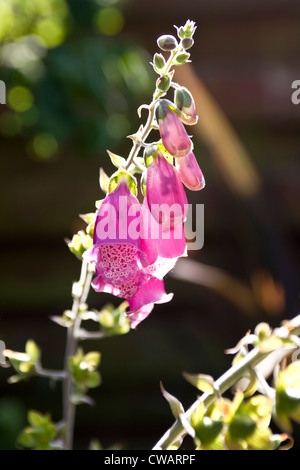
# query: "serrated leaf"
[[175, 405]]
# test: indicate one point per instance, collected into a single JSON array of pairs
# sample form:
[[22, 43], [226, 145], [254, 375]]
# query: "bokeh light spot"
[[118, 125], [53, 32], [109, 21], [43, 146], [20, 98], [9, 124]]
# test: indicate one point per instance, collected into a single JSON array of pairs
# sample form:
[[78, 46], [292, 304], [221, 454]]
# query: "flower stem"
[[80, 294], [137, 143]]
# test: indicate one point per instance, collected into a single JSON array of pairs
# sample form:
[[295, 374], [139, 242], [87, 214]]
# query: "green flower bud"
[[187, 43], [167, 42], [163, 83], [181, 58], [159, 61], [263, 331], [181, 32]]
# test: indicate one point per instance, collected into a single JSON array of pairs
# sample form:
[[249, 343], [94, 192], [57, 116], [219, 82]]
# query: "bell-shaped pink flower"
[[116, 249], [165, 194], [126, 264], [173, 134], [190, 173]]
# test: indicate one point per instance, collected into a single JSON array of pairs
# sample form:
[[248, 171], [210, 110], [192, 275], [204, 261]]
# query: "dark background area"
[[86, 88]]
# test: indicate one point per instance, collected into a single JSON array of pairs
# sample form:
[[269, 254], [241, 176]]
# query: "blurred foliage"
[[70, 77]]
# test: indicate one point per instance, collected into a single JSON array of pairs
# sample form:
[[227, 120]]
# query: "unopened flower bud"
[[173, 134], [163, 83], [167, 42], [181, 58], [190, 173], [159, 61], [185, 103], [187, 43]]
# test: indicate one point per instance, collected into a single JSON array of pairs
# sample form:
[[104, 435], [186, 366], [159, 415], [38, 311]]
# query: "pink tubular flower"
[[116, 249], [190, 172], [173, 134], [165, 194], [128, 265]]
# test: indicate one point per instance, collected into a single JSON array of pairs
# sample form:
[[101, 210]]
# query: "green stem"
[[80, 294], [151, 116]]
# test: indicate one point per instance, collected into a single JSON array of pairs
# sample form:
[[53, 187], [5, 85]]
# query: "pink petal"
[[157, 240], [165, 194], [139, 315], [173, 133], [125, 289], [119, 218], [190, 172], [152, 291]]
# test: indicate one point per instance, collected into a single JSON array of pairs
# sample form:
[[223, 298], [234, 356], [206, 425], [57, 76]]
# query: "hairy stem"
[[80, 294], [137, 143]]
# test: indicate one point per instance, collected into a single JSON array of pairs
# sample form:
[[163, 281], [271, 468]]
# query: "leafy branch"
[[268, 349]]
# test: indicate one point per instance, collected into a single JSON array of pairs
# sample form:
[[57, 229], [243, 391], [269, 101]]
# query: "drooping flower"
[[116, 249], [165, 194], [173, 133], [128, 265], [190, 173], [159, 241]]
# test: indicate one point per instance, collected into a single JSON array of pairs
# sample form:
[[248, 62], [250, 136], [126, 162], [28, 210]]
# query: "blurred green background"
[[75, 73]]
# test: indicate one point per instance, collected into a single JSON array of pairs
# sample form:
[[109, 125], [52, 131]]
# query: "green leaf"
[[92, 359], [203, 382], [93, 380], [175, 405], [208, 430], [181, 58], [103, 180], [26, 439], [241, 427], [32, 350], [116, 160], [36, 419]]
